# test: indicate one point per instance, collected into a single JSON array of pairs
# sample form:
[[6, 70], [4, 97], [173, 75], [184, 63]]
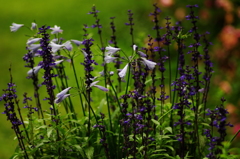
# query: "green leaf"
[[202, 141], [89, 152], [168, 129], [49, 132], [170, 147], [205, 124], [79, 148], [140, 149], [155, 122]]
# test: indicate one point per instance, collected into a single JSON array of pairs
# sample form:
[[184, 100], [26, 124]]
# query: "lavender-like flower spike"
[[56, 30], [15, 27], [47, 64], [62, 95], [148, 63], [123, 72]]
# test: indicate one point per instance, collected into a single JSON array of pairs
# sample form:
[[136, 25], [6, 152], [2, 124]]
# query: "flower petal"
[[56, 30], [111, 50], [68, 45], [31, 41], [58, 62], [142, 54], [101, 88], [135, 47], [123, 72], [63, 92], [93, 83], [34, 47], [148, 63], [34, 26], [77, 42], [15, 27], [35, 70], [84, 53], [60, 99], [109, 59], [55, 47]]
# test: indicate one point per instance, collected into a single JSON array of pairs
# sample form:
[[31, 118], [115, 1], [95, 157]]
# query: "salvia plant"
[[148, 101]]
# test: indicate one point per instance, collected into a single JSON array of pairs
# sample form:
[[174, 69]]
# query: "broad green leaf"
[[205, 124], [49, 132], [140, 149], [79, 148], [202, 141], [89, 152], [168, 129], [170, 147], [155, 122]]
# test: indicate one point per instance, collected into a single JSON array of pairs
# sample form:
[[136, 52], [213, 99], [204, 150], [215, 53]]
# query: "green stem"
[[80, 96]]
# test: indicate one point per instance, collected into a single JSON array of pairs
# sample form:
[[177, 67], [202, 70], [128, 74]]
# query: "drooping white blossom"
[[123, 72], [135, 47], [55, 40], [34, 47], [148, 63], [77, 42], [34, 71], [108, 59], [56, 30], [62, 95], [142, 54], [33, 40], [15, 27], [111, 50], [93, 84], [84, 53], [34, 26], [55, 47], [58, 62], [68, 45]]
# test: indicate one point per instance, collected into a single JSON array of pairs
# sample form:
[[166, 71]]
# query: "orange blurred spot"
[[225, 4], [166, 3], [180, 13], [229, 36], [225, 87]]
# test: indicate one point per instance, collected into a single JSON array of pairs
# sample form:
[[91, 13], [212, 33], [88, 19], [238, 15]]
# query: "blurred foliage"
[[219, 17]]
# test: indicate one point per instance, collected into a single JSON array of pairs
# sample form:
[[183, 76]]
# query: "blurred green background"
[[220, 17]]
